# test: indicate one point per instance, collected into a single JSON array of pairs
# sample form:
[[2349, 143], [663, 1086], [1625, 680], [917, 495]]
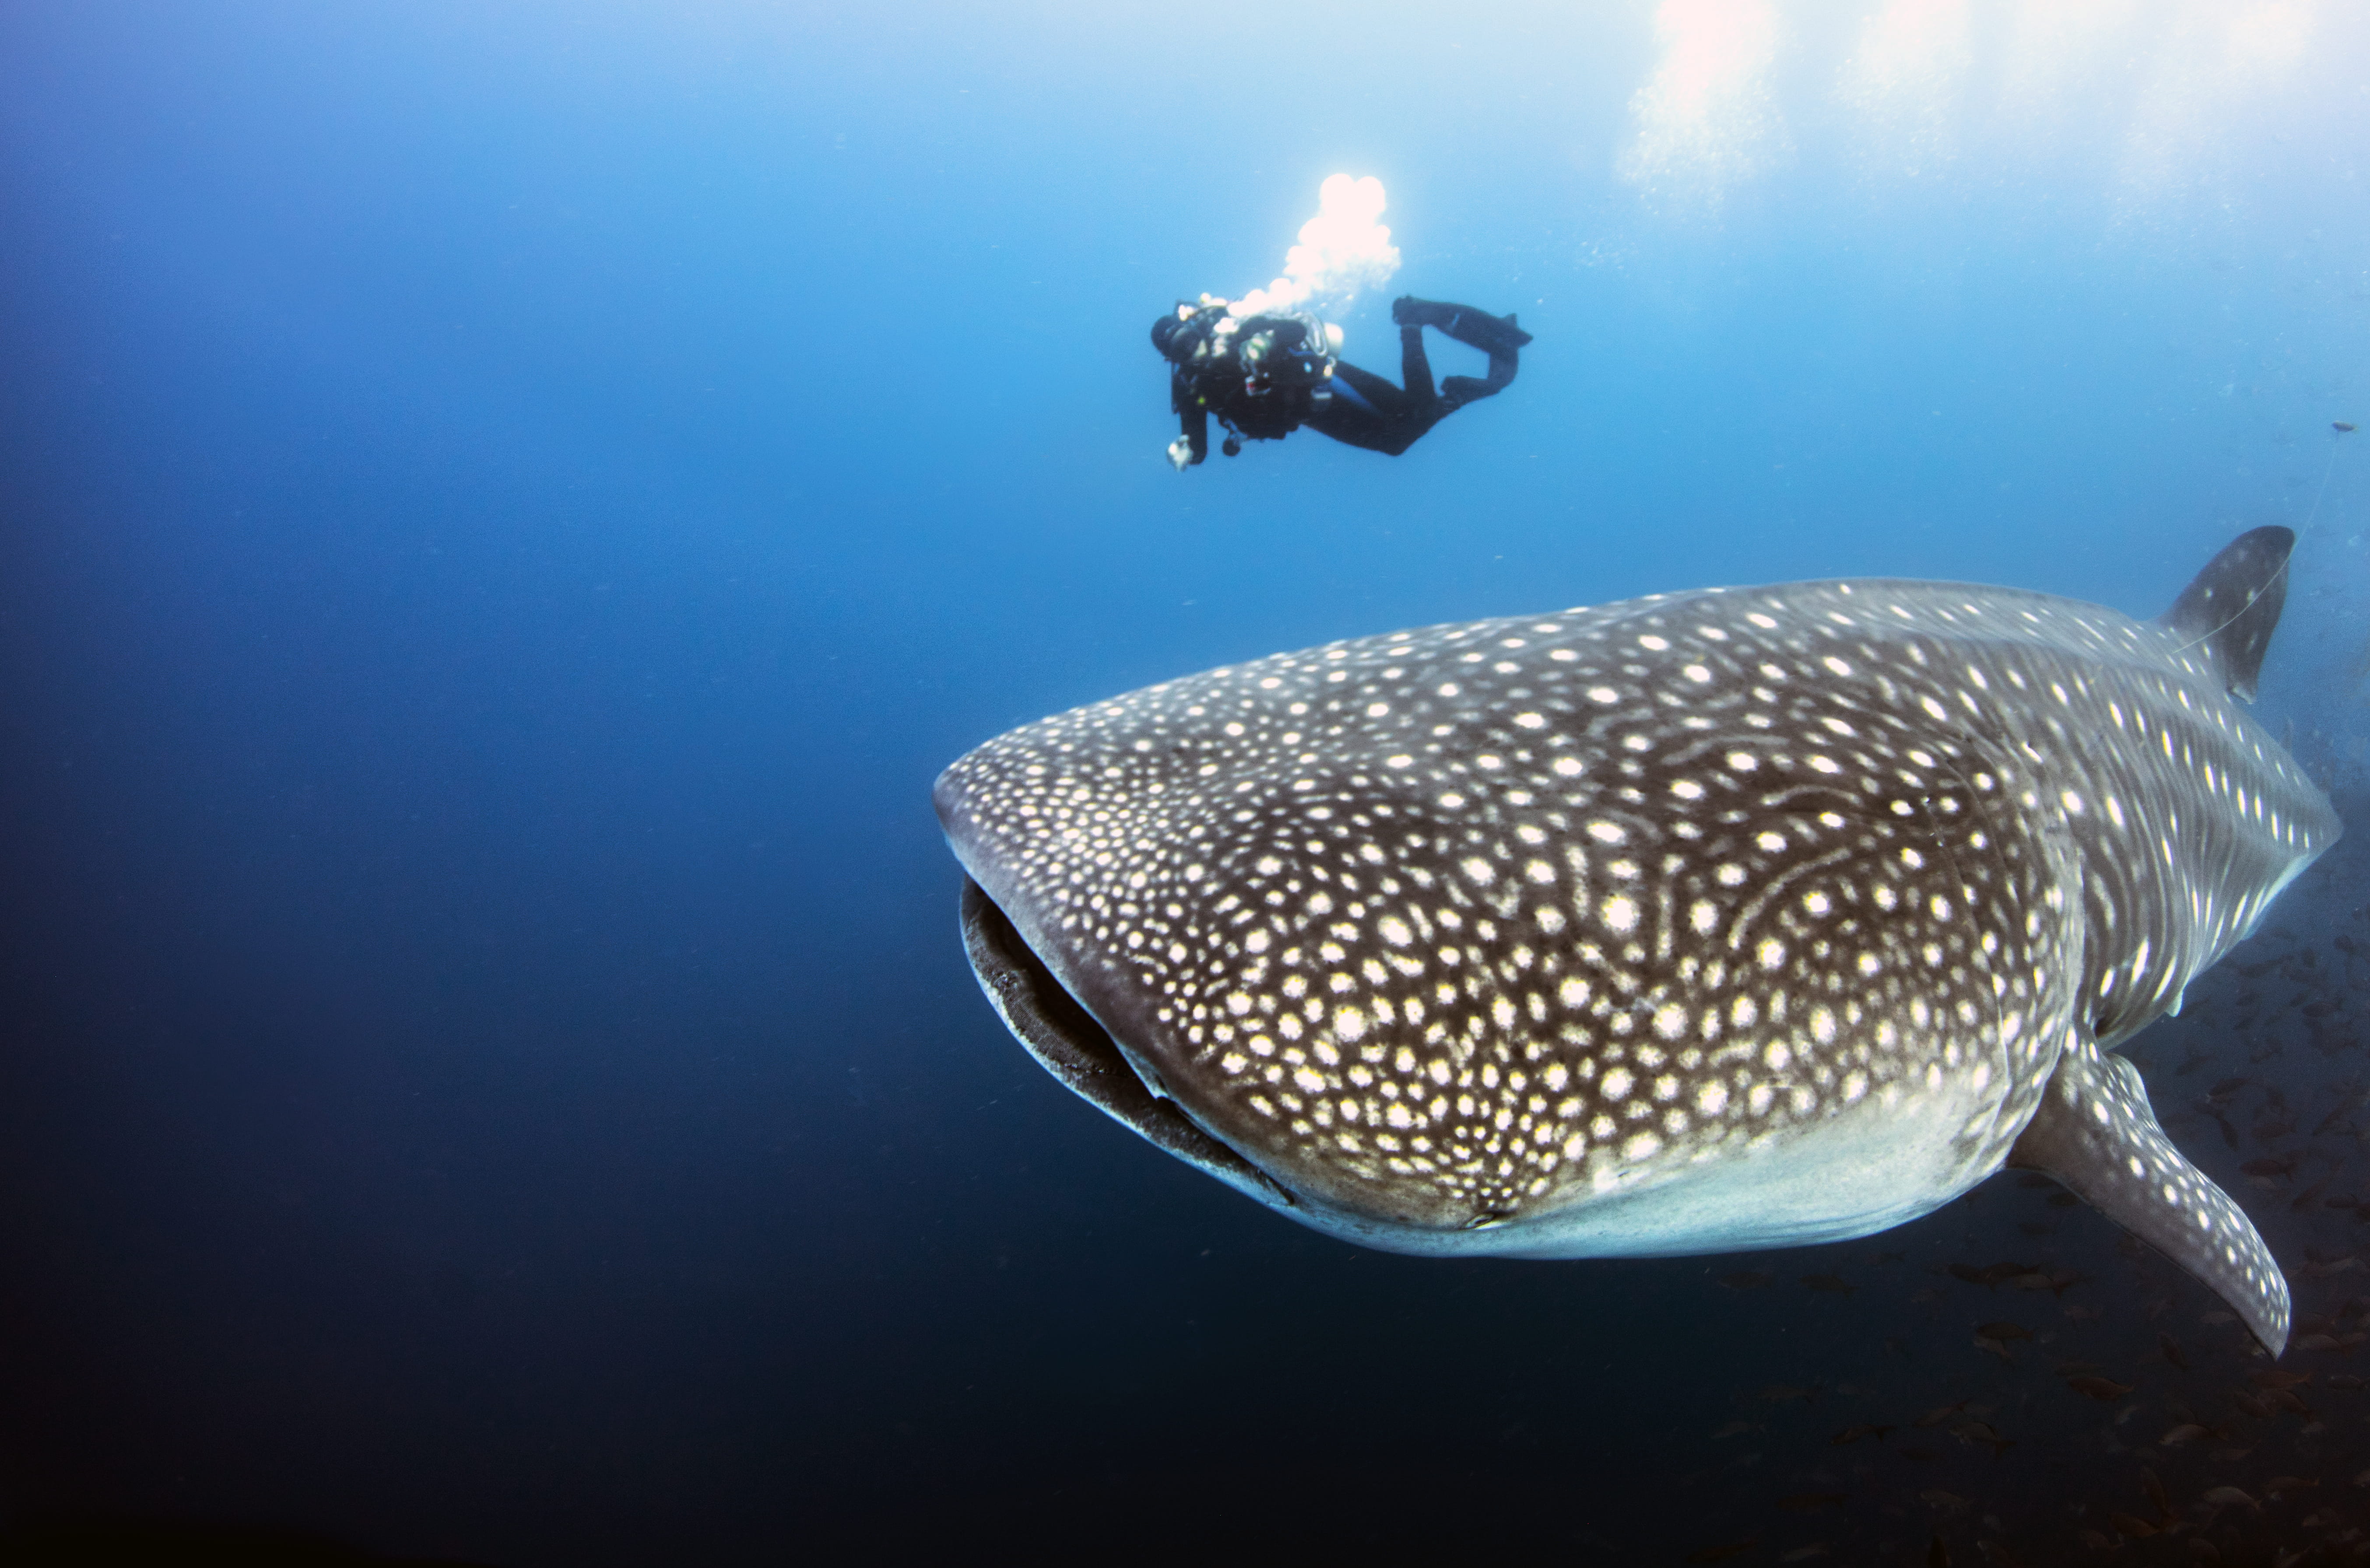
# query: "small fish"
[[1778, 1393], [1939, 1415], [2249, 1405], [2279, 1484], [2230, 1497], [2275, 1377], [1829, 1284], [1746, 1279], [2331, 1341], [2080, 1314], [2217, 1318], [2154, 1489], [1723, 1552], [2186, 1431], [2102, 1389], [1850, 1435], [1810, 1502], [2004, 1330], [1809, 1553], [2172, 1349], [1982, 1432], [2344, 1380], [1995, 1348], [2138, 1529], [1990, 1274], [2342, 427], [1948, 1501], [1733, 1429]]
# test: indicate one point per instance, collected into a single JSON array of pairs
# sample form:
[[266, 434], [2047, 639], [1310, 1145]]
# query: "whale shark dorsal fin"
[[2096, 1134], [2232, 607]]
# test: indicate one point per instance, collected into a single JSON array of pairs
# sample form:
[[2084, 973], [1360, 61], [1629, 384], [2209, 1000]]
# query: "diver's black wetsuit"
[[1366, 410], [1349, 404]]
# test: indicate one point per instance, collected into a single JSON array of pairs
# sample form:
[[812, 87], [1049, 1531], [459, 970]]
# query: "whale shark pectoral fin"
[[2097, 1135]]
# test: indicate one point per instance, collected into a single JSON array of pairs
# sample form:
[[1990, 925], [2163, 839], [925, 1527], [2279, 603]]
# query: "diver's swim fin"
[[1458, 390], [1476, 328], [1490, 334]]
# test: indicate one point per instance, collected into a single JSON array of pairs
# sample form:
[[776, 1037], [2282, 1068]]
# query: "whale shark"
[[1702, 922]]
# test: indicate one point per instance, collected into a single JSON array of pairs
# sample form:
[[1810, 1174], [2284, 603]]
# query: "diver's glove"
[[1180, 454]]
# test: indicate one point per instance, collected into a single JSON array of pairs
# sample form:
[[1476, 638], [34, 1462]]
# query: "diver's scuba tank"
[[1292, 352]]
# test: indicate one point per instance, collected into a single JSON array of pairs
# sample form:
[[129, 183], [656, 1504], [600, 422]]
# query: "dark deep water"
[[502, 518]]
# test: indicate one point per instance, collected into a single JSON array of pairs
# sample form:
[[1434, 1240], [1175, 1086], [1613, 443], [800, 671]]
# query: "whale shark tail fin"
[[2095, 1134], [2233, 607]]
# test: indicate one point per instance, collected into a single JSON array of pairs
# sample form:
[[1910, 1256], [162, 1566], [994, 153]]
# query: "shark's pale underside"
[[1708, 921]]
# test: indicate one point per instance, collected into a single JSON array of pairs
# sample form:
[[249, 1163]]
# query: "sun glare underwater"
[[514, 518]]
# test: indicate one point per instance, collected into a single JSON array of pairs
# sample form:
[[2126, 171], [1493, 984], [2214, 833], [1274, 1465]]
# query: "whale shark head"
[[1700, 922]]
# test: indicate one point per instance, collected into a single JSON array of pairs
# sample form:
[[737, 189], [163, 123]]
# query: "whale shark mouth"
[[1079, 1052]]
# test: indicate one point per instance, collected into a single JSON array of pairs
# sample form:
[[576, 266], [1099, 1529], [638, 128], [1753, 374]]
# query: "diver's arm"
[[1193, 443]]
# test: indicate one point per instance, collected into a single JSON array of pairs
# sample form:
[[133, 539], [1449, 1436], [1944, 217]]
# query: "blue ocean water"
[[503, 513]]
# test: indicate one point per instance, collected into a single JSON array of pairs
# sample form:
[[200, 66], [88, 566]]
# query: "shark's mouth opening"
[[1071, 1044]]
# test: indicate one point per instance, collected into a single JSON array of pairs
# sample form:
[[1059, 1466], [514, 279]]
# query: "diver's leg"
[[1368, 411], [1496, 336], [1458, 390], [1415, 369]]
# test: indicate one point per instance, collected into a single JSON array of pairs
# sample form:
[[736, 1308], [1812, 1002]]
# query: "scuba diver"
[[1264, 376]]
